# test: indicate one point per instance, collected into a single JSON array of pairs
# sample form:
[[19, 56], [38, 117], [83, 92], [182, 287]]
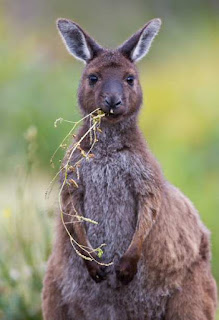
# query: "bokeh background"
[[38, 84]]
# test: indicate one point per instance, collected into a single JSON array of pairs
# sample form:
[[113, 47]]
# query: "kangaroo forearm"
[[144, 225], [127, 266], [83, 244], [73, 219], [148, 211]]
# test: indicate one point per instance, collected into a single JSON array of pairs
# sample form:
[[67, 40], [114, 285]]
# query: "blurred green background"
[[38, 84]]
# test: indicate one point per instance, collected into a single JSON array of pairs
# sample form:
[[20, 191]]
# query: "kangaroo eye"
[[92, 79], [130, 80]]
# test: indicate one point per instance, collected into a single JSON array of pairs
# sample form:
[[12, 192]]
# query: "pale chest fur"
[[110, 199], [111, 185]]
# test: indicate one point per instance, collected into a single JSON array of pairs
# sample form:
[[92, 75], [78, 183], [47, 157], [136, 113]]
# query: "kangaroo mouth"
[[112, 114]]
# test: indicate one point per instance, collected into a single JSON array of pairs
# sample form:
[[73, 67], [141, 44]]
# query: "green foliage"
[[26, 235]]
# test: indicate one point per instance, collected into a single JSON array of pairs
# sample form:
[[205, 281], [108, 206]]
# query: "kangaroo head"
[[110, 79]]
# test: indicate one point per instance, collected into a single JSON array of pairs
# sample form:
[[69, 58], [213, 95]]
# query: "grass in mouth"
[[95, 118]]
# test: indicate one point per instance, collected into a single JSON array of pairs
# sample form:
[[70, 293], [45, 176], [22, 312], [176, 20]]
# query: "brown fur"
[[166, 262]]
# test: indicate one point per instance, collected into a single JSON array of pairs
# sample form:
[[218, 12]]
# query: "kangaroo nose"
[[112, 102]]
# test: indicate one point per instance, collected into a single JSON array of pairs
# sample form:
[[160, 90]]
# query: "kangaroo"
[[159, 247]]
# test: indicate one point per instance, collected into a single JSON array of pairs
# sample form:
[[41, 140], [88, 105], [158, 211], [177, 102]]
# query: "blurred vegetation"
[[38, 84]]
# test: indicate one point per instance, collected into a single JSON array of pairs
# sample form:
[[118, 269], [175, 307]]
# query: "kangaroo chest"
[[109, 199], [111, 187]]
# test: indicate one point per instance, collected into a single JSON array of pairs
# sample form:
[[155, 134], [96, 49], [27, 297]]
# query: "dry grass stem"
[[95, 121]]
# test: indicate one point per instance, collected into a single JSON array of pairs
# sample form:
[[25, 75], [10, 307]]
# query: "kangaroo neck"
[[113, 136]]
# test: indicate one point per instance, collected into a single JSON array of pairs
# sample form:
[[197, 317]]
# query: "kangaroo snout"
[[112, 104]]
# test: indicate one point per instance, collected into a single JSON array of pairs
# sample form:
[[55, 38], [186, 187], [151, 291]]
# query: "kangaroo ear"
[[136, 47], [78, 43]]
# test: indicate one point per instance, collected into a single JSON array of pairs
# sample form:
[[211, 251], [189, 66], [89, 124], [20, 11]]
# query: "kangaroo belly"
[[109, 200]]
